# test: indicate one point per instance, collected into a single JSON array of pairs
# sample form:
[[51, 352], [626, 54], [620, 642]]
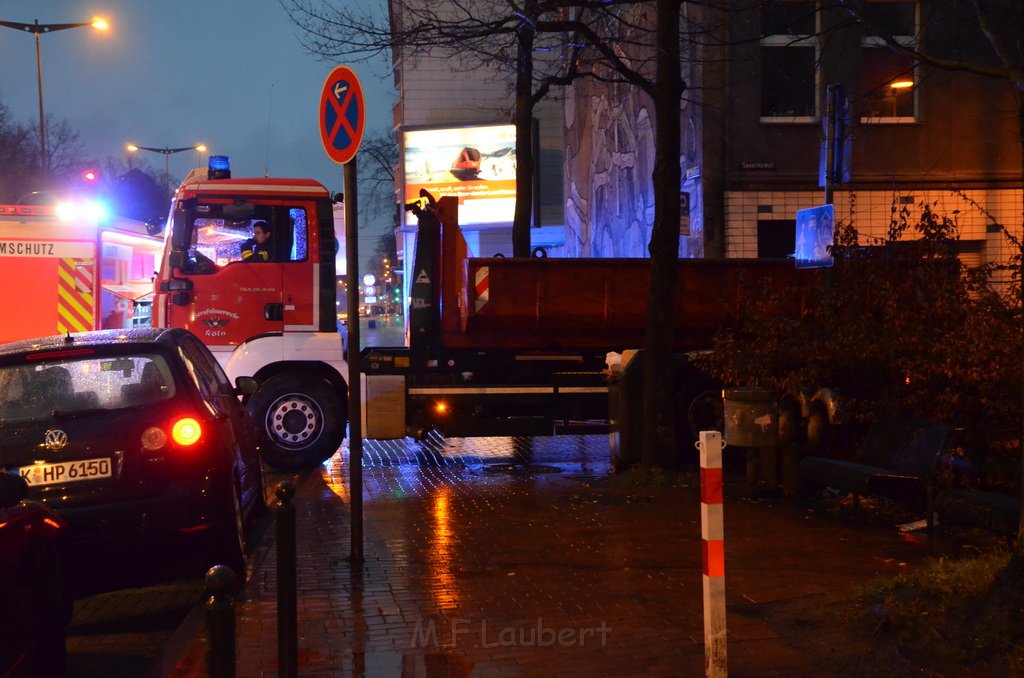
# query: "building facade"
[[753, 114]]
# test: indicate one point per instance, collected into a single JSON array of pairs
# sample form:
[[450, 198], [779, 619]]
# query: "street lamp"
[[37, 29], [167, 153]]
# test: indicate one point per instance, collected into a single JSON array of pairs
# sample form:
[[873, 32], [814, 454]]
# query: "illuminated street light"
[[167, 153], [38, 29], [200, 149]]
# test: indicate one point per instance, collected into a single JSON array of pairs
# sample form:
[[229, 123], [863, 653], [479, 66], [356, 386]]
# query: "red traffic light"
[[90, 175]]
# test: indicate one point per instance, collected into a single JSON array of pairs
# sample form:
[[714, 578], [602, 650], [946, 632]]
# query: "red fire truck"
[[69, 268], [274, 317]]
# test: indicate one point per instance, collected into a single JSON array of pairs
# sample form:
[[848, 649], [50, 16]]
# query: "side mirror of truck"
[[180, 235]]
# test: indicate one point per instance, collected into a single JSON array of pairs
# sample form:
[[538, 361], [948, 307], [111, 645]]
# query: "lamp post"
[[167, 153], [38, 29]]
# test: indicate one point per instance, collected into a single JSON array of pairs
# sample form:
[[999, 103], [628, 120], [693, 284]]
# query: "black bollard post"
[[287, 613], [220, 622]]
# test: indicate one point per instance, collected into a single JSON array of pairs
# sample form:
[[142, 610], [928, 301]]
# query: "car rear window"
[[70, 385]]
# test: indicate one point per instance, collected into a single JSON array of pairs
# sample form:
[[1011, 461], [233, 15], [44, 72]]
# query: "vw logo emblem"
[[55, 439]]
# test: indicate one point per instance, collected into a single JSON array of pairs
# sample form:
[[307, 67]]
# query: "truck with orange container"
[[495, 346]]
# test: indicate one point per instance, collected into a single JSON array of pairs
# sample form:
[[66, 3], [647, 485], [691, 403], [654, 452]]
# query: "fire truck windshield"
[[223, 234]]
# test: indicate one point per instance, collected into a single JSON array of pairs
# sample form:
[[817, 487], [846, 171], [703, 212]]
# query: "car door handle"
[[273, 311]]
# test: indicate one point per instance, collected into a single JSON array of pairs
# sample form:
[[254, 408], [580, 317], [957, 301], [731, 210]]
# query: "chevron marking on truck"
[[483, 287], [75, 300]]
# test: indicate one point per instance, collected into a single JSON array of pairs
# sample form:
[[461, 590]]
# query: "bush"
[[901, 327]]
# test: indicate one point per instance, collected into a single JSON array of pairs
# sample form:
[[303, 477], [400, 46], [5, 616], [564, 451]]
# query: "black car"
[[34, 598], [138, 440]]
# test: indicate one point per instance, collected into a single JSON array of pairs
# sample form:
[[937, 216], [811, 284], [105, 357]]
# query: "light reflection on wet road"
[[516, 556]]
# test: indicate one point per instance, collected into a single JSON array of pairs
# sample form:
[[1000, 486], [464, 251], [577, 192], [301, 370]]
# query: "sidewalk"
[[512, 556]]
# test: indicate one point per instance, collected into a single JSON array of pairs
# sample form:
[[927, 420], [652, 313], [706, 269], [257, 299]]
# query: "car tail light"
[[153, 438], [186, 431]]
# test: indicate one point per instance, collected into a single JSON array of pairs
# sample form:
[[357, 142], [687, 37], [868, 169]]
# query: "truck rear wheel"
[[301, 421]]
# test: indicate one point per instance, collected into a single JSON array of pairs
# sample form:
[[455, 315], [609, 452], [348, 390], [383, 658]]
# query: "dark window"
[[788, 59], [788, 18], [787, 82], [776, 238], [893, 18]]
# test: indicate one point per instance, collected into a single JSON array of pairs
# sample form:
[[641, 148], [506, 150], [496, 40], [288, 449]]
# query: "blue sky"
[[169, 73]]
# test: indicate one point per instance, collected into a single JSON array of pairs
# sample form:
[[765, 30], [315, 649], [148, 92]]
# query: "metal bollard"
[[287, 612], [220, 622]]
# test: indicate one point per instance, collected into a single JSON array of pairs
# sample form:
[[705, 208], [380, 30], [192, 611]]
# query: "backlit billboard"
[[814, 236], [475, 163]]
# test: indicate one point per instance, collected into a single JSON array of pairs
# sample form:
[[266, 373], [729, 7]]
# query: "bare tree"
[[20, 173], [619, 42], [378, 180]]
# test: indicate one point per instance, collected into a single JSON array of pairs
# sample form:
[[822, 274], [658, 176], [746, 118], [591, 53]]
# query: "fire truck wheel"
[[301, 421]]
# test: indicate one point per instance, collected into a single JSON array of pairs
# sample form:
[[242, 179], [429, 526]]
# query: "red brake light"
[[59, 354], [186, 431], [52, 523]]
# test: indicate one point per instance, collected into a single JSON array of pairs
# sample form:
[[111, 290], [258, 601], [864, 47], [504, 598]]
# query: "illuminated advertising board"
[[475, 163], [814, 236]]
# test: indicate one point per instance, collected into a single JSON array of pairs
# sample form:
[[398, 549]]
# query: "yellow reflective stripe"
[[69, 299], [76, 324]]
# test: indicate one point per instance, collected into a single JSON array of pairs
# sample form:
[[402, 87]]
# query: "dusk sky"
[[228, 73]]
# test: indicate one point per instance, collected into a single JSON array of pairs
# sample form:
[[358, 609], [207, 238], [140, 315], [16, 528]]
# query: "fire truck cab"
[[271, 316]]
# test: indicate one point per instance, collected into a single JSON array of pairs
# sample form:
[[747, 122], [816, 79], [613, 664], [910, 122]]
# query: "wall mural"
[[609, 163]]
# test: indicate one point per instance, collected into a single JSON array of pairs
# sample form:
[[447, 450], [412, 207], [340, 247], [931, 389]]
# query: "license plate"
[[64, 472]]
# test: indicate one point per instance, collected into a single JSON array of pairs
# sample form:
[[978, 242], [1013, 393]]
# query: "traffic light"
[[90, 176]]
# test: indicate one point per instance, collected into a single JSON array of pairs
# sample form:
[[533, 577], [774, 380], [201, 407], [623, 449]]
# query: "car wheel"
[[301, 421]]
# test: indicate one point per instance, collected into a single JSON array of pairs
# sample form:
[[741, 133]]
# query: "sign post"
[[342, 119]]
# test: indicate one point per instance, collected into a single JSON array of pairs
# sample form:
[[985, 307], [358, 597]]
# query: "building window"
[[888, 81], [789, 61]]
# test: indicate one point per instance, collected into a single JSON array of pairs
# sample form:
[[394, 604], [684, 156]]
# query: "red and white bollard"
[[712, 532]]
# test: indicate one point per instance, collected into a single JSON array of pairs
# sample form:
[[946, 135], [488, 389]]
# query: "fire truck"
[[70, 268], [273, 318]]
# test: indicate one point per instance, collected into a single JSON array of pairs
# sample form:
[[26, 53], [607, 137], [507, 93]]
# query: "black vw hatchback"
[[137, 439]]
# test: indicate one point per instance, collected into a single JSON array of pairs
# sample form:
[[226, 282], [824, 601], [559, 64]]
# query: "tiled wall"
[[975, 211]]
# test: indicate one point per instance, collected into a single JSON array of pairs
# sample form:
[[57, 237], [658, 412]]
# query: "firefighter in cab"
[[258, 247]]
